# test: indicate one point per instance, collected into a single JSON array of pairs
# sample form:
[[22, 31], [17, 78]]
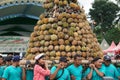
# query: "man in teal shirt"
[[60, 72], [13, 72], [95, 71], [111, 70], [29, 70], [76, 68], [1, 67]]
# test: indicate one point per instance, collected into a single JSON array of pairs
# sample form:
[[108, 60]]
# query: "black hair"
[[77, 55], [37, 62], [95, 59], [1, 57]]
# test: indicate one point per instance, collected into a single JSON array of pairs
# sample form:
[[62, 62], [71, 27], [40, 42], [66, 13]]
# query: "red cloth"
[[117, 49], [110, 49], [40, 73]]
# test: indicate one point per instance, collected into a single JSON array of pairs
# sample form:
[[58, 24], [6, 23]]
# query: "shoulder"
[[112, 66], [70, 66], [80, 66], [66, 71], [2, 67], [54, 67], [37, 67], [9, 67]]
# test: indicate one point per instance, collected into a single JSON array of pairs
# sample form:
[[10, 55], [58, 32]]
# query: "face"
[[8, 62], [1, 61], [107, 63], [64, 64], [17, 63], [77, 61], [98, 63], [42, 61]]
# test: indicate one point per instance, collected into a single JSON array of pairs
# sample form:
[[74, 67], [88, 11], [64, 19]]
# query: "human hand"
[[46, 65], [60, 66], [91, 66], [72, 77]]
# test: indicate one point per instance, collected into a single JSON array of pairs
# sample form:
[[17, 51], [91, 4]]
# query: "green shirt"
[[12, 73], [75, 71], [29, 74], [65, 75], [111, 71], [95, 76], [1, 70]]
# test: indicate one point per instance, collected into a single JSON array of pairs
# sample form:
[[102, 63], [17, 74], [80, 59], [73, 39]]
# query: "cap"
[[107, 58], [63, 59], [16, 58], [96, 59], [39, 56], [8, 58]]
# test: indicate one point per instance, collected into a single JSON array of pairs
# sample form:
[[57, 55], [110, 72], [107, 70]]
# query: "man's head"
[[77, 59], [16, 59], [10, 54], [8, 60], [1, 60], [107, 60], [97, 62], [63, 61]]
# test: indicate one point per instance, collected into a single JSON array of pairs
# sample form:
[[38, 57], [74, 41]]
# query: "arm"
[[23, 74], [40, 70], [54, 71], [89, 76], [98, 72], [52, 76], [117, 75], [5, 74]]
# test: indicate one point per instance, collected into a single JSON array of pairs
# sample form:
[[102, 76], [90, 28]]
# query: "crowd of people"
[[96, 69]]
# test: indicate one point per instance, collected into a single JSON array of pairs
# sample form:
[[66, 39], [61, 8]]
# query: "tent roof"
[[110, 49], [117, 48], [104, 45]]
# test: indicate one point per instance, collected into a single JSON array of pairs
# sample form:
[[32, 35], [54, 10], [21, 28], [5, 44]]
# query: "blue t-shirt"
[[1, 70], [95, 76], [75, 71], [12, 73], [29, 74], [111, 71], [65, 75]]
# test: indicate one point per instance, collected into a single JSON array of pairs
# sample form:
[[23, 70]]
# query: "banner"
[[13, 43]]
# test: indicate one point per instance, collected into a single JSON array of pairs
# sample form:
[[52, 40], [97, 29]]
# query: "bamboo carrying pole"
[[22, 62]]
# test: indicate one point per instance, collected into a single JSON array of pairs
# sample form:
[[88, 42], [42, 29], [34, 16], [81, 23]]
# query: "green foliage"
[[104, 13], [113, 35], [118, 1]]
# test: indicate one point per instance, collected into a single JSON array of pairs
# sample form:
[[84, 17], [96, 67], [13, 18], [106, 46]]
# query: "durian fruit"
[[63, 30]]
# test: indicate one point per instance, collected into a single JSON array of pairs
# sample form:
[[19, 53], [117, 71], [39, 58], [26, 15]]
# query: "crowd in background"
[[96, 69]]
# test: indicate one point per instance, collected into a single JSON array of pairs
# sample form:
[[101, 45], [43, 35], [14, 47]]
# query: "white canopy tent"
[[104, 45]]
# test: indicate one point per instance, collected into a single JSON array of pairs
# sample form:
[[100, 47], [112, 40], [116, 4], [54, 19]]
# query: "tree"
[[104, 12], [113, 35], [118, 1]]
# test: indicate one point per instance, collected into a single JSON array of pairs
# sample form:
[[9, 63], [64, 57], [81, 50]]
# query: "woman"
[[41, 68]]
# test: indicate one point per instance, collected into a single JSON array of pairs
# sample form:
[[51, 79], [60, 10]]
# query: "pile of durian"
[[63, 30]]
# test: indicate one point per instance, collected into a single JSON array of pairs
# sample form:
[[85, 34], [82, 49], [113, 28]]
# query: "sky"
[[88, 4]]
